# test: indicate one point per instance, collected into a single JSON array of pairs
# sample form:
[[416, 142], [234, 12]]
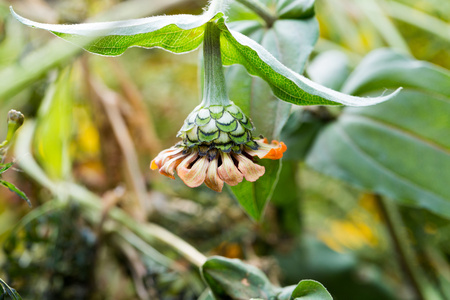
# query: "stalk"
[[405, 256], [260, 10], [214, 88]]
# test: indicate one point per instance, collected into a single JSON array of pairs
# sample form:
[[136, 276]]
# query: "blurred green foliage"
[[316, 227]]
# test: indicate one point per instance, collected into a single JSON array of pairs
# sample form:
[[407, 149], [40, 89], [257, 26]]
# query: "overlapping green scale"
[[225, 128]]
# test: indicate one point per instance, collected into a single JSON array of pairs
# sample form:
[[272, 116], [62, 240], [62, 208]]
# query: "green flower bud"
[[15, 120], [225, 128]]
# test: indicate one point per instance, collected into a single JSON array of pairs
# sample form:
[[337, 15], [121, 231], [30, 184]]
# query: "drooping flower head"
[[217, 144]]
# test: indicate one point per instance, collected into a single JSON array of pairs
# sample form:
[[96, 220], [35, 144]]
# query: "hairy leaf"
[[400, 149], [233, 279], [183, 33], [177, 33]]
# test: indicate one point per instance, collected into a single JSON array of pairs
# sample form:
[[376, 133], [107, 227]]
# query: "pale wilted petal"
[[250, 170], [228, 171], [196, 175], [212, 179], [168, 169], [164, 156]]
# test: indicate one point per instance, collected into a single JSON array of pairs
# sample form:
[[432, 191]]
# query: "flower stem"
[[405, 256], [214, 89], [260, 10]]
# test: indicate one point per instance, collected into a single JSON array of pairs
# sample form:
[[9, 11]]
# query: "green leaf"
[[233, 279], [330, 68], [54, 127], [400, 149], [177, 33], [254, 196], [10, 291], [183, 33], [286, 84], [310, 290], [305, 290], [5, 167], [14, 189], [291, 42]]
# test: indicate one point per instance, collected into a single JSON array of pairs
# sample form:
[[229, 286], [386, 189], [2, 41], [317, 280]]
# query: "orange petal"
[[228, 171], [194, 176], [250, 170], [274, 150], [153, 165], [212, 179]]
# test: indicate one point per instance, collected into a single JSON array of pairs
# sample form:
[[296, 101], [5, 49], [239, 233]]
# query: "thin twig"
[[406, 259], [110, 101], [141, 121]]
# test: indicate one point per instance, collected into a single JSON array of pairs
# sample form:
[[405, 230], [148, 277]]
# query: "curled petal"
[[274, 150], [196, 175], [168, 169], [164, 156], [228, 171], [212, 179], [250, 170]]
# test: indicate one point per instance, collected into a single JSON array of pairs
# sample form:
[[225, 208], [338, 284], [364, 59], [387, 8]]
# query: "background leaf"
[[5, 167], [398, 148], [310, 290], [10, 291], [233, 279], [14, 189], [54, 127]]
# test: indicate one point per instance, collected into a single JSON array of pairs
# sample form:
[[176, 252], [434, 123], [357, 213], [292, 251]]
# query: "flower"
[[217, 148]]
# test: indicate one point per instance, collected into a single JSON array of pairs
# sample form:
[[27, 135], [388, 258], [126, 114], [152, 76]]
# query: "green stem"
[[214, 89], [405, 256], [260, 10]]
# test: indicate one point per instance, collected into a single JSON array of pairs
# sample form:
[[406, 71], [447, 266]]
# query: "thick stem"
[[260, 10], [214, 89], [406, 259]]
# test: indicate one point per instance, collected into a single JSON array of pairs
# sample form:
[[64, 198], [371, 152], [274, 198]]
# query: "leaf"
[[54, 126], [183, 33], [14, 189], [177, 33], [5, 167], [305, 290], [399, 149], [310, 290], [254, 196], [286, 84], [291, 42], [10, 291], [233, 279], [330, 68]]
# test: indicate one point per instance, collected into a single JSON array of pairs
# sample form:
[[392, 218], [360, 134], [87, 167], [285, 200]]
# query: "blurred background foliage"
[[97, 122]]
